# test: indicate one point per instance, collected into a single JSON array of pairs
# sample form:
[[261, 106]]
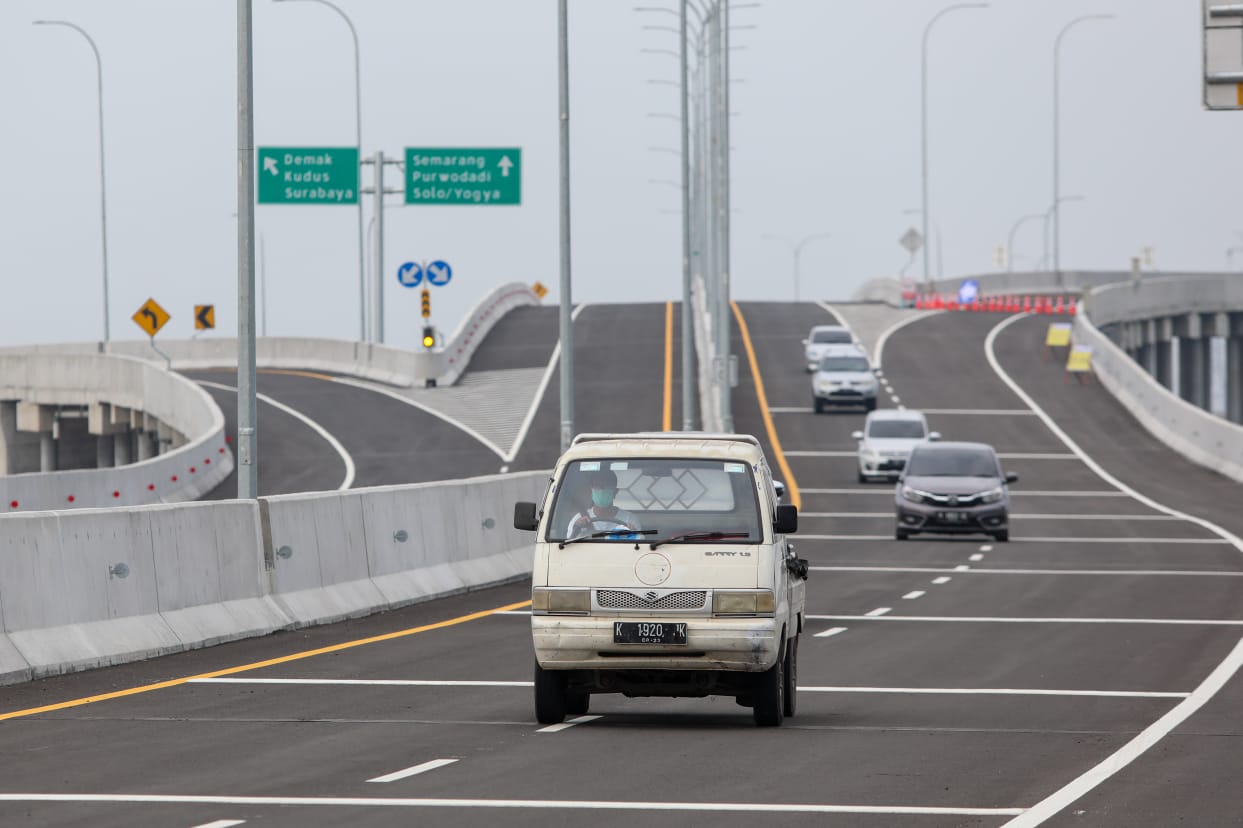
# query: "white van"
[[662, 569]]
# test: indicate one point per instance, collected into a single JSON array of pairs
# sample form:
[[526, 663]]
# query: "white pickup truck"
[[662, 569]]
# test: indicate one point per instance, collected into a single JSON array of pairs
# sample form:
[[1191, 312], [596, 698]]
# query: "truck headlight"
[[744, 602], [545, 600]]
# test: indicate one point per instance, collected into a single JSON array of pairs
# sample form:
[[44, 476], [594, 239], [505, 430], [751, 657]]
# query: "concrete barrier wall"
[[1197, 434], [380, 363], [1021, 282], [182, 474], [92, 587]]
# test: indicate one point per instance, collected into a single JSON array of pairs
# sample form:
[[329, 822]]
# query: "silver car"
[[822, 338], [844, 377], [886, 441]]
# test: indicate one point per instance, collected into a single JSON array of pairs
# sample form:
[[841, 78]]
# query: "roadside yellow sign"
[[539, 290], [151, 317], [1058, 335], [204, 317], [1080, 359]]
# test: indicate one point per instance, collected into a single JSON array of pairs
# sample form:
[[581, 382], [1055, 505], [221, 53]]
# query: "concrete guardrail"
[[94, 587], [182, 474]]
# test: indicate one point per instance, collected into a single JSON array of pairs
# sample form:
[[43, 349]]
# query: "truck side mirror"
[[526, 517], [785, 521]]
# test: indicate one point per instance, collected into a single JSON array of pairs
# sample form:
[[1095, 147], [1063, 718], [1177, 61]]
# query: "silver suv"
[[823, 337], [886, 441], [844, 377]]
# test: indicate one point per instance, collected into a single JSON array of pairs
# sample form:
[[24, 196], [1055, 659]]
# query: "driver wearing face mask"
[[602, 515]]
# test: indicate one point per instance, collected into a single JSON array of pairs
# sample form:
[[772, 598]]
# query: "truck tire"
[[577, 702], [770, 695], [790, 704], [550, 696]]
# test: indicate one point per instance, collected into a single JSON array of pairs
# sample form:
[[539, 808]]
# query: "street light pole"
[[1010, 239], [796, 249], [688, 339], [1053, 210], [103, 189], [923, 116], [566, 320], [1057, 217], [358, 139]]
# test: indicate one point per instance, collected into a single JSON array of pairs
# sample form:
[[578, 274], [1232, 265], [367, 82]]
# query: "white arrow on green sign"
[[308, 175], [464, 175]]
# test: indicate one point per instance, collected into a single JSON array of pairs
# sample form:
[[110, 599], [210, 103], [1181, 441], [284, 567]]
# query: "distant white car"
[[844, 377], [886, 441], [823, 337]]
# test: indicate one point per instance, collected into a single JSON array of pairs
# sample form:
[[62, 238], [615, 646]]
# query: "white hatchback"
[[886, 441]]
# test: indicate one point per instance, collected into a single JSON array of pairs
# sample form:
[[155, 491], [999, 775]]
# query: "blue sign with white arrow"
[[439, 273], [410, 275], [968, 291]]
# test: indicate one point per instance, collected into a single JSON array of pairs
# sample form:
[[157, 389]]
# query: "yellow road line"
[[228, 671], [667, 419], [791, 483], [292, 373]]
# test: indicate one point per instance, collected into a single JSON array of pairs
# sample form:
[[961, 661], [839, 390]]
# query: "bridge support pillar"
[[33, 417], [1193, 348], [1167, 355], [1148, 351], [122, 446], [105, 451], [47, 451], [1234, 369], [8, 437], [148, 444]]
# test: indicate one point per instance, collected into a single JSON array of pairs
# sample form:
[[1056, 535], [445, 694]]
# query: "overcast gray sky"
[[826, 139]]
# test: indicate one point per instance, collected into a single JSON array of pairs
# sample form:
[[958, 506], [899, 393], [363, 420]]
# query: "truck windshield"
[[624, 500]]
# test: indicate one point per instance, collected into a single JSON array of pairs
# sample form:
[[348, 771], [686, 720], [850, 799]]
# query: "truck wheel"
[[577, 703], [770, 695], [550, 696], [790, 705]]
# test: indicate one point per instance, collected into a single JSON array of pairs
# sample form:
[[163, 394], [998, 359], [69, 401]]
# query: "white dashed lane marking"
[[912, 595], [557, 728], [413, 771], [831, 631]]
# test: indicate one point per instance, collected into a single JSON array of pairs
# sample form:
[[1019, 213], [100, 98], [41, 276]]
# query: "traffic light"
[[429, 337], [427, 304]]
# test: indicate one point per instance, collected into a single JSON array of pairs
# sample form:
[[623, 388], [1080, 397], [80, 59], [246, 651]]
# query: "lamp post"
[[1057, 221], [376, 324], [1054, 208], [796, 249], [103, 190], [1010, 239], [923, 114]]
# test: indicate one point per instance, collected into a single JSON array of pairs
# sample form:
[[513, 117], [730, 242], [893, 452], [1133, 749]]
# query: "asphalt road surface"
[[1064, 678]]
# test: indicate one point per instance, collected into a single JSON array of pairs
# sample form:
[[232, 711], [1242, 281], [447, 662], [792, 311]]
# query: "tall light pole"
[[103, 189], [923, 115], [1057, 184], [566, 320], [358, 140], [796, 249], [1054, 208], [1010, 239]]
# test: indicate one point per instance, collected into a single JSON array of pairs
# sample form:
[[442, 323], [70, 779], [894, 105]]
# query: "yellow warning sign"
[[151, 317], [1080, 359], [204, 317], [1058, 335], [539, 290]]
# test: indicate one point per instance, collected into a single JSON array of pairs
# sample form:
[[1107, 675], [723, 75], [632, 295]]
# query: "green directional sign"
[[308, 175], [465, 175]]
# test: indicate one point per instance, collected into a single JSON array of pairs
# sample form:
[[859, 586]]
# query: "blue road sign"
[[968, 291], [439, 273], [410, 275]]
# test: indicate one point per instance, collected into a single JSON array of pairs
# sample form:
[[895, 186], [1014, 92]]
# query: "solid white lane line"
[[986, 619], [876, 613], [1218, 573], [878, 353], [985, 691], [1190, 541], [554, 362], [944, 579], [887, 491], [986, 412], [305, 420], [1132, 750], [831, 631], [1224, 671], [222, 823], [913, 594], [413, 771], [537, 804], [557, 728], [361, 682]]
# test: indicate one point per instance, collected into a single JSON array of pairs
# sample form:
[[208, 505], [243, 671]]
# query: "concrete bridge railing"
[[120, 395], [1159, 361], [95, 587]]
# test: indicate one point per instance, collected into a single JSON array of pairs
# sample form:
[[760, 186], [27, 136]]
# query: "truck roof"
[[743, 447]]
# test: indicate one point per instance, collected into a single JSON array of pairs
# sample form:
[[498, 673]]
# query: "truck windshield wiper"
[[607, 533], [697, 536]]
